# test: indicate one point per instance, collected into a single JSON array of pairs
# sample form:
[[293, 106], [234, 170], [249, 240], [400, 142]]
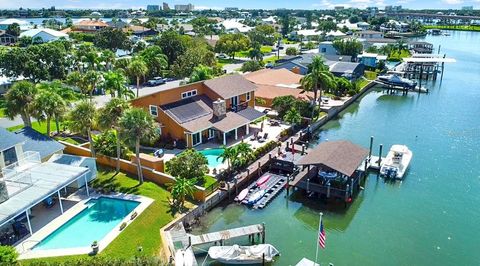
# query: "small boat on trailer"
[[397, 161], [243, 255]]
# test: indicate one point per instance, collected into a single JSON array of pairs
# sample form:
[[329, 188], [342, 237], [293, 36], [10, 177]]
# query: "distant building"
[[368, 34], [90, 25], [6, 39], [467, 7], [46, 35], [372, 11], [393, 8], [184, 8], [153, 7], [339, 7], [165, 6], [231, 9], [327, 48], [24, 25]]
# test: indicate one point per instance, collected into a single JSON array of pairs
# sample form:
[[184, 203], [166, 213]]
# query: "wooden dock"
[[273, 190], [221, 236]]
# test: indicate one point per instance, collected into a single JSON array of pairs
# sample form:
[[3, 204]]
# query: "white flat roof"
[[429, 60], [47, 178]]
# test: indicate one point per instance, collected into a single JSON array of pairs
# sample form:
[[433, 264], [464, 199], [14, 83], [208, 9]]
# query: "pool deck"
[[25, 247]]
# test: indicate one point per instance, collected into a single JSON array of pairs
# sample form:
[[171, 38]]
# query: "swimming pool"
[[92, 224], [212, 157]]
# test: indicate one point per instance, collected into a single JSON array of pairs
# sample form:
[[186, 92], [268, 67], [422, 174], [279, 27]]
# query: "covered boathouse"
[[332, 170]]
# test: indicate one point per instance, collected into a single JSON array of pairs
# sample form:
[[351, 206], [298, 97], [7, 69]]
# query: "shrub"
[[102, 260], [291, 51], [106, 144], [251, 66], [8, 255]]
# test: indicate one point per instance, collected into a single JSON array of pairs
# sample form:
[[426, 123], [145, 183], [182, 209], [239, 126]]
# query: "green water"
[[432, 217]]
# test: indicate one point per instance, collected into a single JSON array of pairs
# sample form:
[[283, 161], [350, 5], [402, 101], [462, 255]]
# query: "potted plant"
[[94, 247]]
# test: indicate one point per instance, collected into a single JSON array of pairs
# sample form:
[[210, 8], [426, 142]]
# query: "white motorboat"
[[396, 80], [256, 196], [184, 258], [396, 163], [245, 255]]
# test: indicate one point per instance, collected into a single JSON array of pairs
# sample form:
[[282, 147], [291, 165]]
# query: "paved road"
[[6, 123]]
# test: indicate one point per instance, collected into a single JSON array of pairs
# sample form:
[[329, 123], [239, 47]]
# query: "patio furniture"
[[254, 136], [275, 123], [48, 202], [159, 153], [264, 138]]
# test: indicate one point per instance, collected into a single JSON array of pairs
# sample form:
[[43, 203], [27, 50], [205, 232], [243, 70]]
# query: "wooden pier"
[[221, 236]]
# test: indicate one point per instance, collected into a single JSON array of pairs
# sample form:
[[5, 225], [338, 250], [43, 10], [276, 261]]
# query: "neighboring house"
[[11, 147], [46, 35], [272, 83], [299, 64], [377, 42], [421, 47], [140, 31], [348, 70], [35, 141], [368, 34], [218, 109], [77, 161], [7, 39], [327, 48], [370, 59], [118, 24], [363, 25], [234, 26], [24, 25], [89, 25]]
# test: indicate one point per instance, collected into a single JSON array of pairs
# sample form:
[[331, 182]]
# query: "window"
[[153, 110], [324, 50], [188, 94], [248, 96], [234, 101], [10, 156], [196, 139], [211, 133]]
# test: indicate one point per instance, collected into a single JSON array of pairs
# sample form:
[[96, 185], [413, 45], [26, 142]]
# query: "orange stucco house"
[[219, 109]]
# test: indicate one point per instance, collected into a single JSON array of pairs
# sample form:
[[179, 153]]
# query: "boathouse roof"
[[341, 156]]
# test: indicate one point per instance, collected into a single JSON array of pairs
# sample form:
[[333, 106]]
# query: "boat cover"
[[238, 254]]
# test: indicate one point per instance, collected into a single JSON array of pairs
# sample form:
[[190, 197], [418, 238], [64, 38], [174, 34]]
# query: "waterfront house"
[[45, 35], [24, 25], [327, 48], [420, 47], [272, 83], [368, 34], [89, 25], [219, 109], [363, 25], [140, 31], [348, 70], [333, 170], [371, 59], [35, 141]]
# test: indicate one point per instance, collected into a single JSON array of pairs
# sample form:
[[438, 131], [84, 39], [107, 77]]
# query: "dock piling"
[[371, 146], [380, 156]]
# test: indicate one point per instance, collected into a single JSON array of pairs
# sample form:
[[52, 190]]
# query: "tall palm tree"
[[83, 119], [67, 94], [115, 83], [319, 78], [182, 188], [48, 105], [293, 117], [107, 57], [19, 100], [228, 155], [110, 117], [136, 124], [139, 69], [91, 79]]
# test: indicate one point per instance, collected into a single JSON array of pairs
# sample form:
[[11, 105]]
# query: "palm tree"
[[82, 119], [137, 68], [115, 83], [182, 188], [110, 117], [48, 105], [200, 73], [19, 100], [91, 79], [108, 58], [244, 152], [135, 125], [319, 78], [67, 94], [228, 155], [293, 117]]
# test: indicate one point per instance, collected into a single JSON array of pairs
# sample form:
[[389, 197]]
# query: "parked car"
[[155, 81], [169, 79], [222, 56]]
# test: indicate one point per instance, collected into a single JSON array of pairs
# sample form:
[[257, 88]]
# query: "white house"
[[327, 48], [46, 35], [234, 26], [24, 25]]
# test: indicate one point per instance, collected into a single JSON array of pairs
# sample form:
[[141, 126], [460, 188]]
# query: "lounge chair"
[[264, 138], [254, 136], [48, 202]]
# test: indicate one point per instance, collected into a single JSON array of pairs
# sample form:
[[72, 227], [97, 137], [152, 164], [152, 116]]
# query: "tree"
[[172, 44], [65, 93], [82, 119], [91, 79], [112, 39], [13, 29], [139, 69], [231, 43], [228, 155], [200, 73], [110, 118], [48, 105], [354, 19], [282, 104], [197, 53], [155, 60], [116, 84], [293, 117], [19, 100], [182, 188], [343, 86], [189, 164], [108, 57], [8, 255], [251, 66], [318, 79], [244, 153], [135, 125], [291, 51], [327, 26], [351, 47]]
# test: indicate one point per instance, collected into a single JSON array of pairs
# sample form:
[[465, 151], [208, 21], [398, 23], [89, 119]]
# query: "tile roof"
[[274, 77], [36, 141], [88, 22], [270, 92], [341, 156], [230, 85]]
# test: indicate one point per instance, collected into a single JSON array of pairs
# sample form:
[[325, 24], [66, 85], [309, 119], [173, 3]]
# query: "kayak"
[[242, 195], [262, 180]]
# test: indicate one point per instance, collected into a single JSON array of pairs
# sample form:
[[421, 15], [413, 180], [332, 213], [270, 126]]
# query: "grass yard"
[[144, 230], [398, 55], [70, 140], [2, 112], [246, 53], [38, 126], [208, 180], [370, 75], [362, 83], [455, 27]]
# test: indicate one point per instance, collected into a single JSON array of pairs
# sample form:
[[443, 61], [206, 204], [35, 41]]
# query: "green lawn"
[[221, 61], [69, 140], [455, 27], [144, 231], [263, 49], [362, 83], [208, 181], [370, 75], [38, 126]]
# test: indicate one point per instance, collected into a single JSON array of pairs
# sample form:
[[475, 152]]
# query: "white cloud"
[[452, 2]]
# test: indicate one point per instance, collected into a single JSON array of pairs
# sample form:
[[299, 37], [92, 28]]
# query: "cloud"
[[452, 2]]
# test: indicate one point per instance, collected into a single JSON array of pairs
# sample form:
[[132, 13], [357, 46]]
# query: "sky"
[[252, 4]]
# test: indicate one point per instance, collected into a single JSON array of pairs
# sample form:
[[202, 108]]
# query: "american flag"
[[321, 236]]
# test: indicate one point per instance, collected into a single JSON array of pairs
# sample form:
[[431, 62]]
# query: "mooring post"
[[303, 149], [287, 146], [263, 259], [380, 155], [371, 146], [236, 187], [263, 233]]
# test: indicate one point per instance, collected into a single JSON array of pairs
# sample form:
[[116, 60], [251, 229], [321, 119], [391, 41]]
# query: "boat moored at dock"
[[396, 162], [243, 255]]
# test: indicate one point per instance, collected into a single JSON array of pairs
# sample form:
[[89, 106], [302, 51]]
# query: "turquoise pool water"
[[212, 157], [93, 223]]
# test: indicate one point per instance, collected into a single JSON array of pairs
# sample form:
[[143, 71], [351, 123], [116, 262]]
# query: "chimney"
[[219, 109]]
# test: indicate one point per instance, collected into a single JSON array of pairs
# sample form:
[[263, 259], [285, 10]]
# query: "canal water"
[[432, 217]]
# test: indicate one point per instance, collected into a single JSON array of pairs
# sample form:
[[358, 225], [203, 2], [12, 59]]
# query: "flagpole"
[[316, 240]]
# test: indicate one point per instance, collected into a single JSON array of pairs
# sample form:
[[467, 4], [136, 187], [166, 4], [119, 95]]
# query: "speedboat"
[[255, 197], [243, 255], [396, 80], [183, 258], [396, 163], [242, 195]]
